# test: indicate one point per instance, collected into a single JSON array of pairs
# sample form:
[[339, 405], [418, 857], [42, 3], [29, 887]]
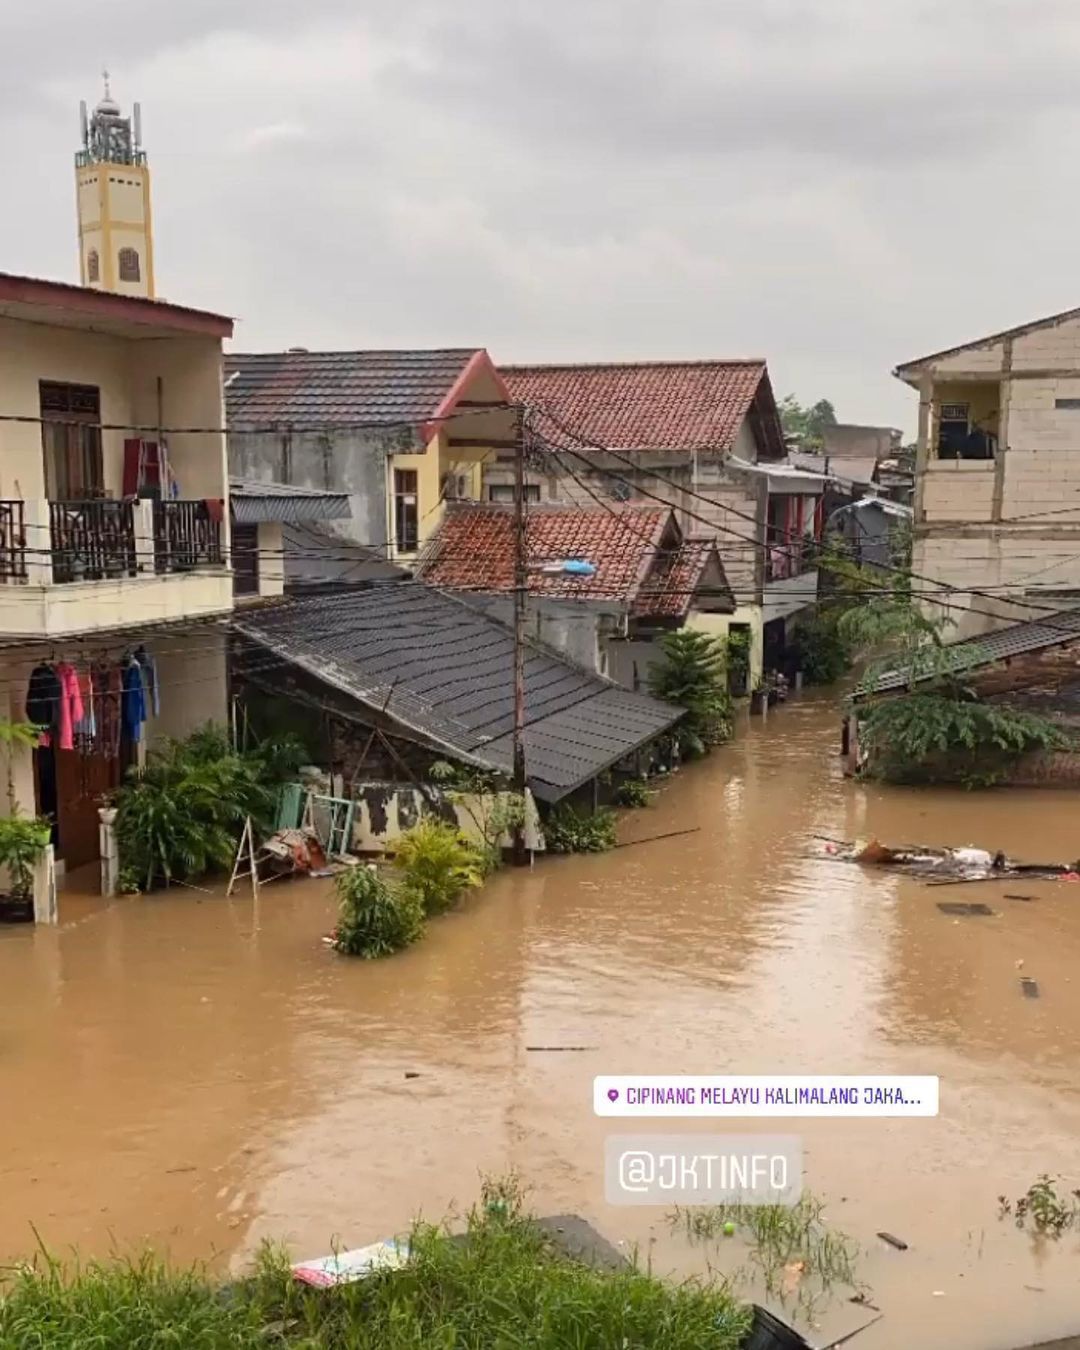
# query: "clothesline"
[[92, 709]]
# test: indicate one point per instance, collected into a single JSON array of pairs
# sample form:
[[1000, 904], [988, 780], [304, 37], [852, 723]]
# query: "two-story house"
[[401, 432], [997, 496], [114, 537], [702, 436]]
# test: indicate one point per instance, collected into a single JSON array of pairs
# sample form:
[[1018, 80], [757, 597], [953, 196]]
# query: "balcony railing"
[[12, 541], [186, 536], [92, 540], [790, 558], [62, 542]]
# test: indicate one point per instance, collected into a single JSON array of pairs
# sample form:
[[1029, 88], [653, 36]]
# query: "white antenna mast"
[[136, 118], [83, 126]]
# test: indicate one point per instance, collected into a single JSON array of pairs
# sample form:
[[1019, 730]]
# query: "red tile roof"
[[669, 588], [638, 552], [657, 405]]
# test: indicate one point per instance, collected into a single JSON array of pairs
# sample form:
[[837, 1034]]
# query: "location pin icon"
[[613, 1094]]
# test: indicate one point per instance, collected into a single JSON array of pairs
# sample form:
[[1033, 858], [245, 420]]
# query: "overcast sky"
[[836, 185]]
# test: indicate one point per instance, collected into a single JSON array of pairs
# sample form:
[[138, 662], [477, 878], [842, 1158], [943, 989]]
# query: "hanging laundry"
[[86, 728], [108, 691], [133, 701], [43, 699], [150, 679], [69, 707]]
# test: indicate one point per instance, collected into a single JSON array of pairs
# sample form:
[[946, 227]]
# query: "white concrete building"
[[114, 534]]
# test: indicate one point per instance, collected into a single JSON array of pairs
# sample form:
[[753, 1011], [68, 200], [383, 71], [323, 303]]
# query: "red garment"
[[70, 709], [215, 509]]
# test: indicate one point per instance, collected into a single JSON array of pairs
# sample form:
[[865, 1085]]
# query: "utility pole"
[[521, 591]]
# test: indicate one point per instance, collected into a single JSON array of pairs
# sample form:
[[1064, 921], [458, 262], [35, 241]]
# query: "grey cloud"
[[833, 184]]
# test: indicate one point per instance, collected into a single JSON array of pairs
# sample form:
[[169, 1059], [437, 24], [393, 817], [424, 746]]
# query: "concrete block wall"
[[1054, 347], [959, 490]]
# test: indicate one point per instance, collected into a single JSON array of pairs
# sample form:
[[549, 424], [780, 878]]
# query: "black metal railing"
[[12, 542], [92, 540], [186, 536]]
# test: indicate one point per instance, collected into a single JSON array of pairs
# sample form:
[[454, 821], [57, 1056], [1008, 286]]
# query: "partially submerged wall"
[[384, 811]]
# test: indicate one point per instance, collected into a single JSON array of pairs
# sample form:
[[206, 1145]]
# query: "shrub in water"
[[375, 919], [438, 865], [632, 792], [568, 830]]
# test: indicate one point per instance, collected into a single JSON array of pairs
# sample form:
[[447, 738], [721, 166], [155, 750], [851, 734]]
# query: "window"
[[961, 437], [406, 511], [128, 260], [1067, 404], [504, 492], [71, 441], [93, 266]]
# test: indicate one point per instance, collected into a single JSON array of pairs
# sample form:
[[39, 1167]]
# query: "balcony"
[[78, 566], [791, 558]]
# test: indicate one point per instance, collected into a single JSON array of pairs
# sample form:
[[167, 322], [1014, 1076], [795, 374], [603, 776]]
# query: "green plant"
[[824, 651], [184, 813], [738, 661], [374, 918], [14, 736], [494, 811], [799, 1257], [23, 839], [632, 792], [693, 675], [948, 735], [1050, 1214], [438, 864], [503, 1282], [127, 881], [568, 830]]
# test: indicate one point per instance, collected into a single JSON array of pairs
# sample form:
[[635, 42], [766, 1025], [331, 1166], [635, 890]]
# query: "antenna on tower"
[[136, 118], [83, 127]]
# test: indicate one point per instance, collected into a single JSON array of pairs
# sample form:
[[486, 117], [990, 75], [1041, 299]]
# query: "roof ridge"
[[356, 351], [694, 362]]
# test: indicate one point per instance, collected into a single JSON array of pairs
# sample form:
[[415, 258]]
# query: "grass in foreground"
[[505, 1286], [799, 1258]]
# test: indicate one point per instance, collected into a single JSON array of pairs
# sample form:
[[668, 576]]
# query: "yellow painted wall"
[[717, 625], [126, 373], [113, 203], [428, 488]]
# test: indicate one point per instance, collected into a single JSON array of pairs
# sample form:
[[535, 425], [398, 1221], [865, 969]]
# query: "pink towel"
[[71, 705]]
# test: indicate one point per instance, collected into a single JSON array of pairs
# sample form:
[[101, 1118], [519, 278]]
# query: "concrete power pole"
[[521, 591]]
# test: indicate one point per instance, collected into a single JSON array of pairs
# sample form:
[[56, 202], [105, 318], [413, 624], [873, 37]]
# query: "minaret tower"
[[116, 244]]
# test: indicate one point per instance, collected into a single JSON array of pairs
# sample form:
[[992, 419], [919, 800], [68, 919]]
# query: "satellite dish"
[[83, 127]]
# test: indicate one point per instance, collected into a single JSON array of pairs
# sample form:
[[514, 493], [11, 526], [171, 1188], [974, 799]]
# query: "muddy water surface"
[[202, 1073]]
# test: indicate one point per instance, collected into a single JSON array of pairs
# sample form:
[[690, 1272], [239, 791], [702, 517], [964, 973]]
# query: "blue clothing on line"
[[133, 701]]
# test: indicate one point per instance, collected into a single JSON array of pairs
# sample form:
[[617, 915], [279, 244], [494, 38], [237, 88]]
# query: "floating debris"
[[1029, 987], [964, 910], [898, 1243]]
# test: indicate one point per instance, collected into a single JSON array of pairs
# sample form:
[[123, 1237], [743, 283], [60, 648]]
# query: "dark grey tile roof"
[[444, 672], [254, 502], [1055, 630], [340, 388]]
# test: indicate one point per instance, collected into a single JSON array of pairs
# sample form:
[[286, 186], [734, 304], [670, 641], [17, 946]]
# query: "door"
[[81, 782], [71, 441]]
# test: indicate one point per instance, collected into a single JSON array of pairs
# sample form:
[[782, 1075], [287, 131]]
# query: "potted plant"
[[23, 840]]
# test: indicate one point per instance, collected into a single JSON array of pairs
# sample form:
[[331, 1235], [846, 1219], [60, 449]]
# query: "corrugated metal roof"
[[444, 672], [384, 388], [255, 502], [975, 653]]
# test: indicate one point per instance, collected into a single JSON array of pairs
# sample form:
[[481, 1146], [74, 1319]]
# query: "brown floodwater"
[[201, 1073]]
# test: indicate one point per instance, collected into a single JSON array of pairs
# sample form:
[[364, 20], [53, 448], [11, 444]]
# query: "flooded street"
[[203, 1073]]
